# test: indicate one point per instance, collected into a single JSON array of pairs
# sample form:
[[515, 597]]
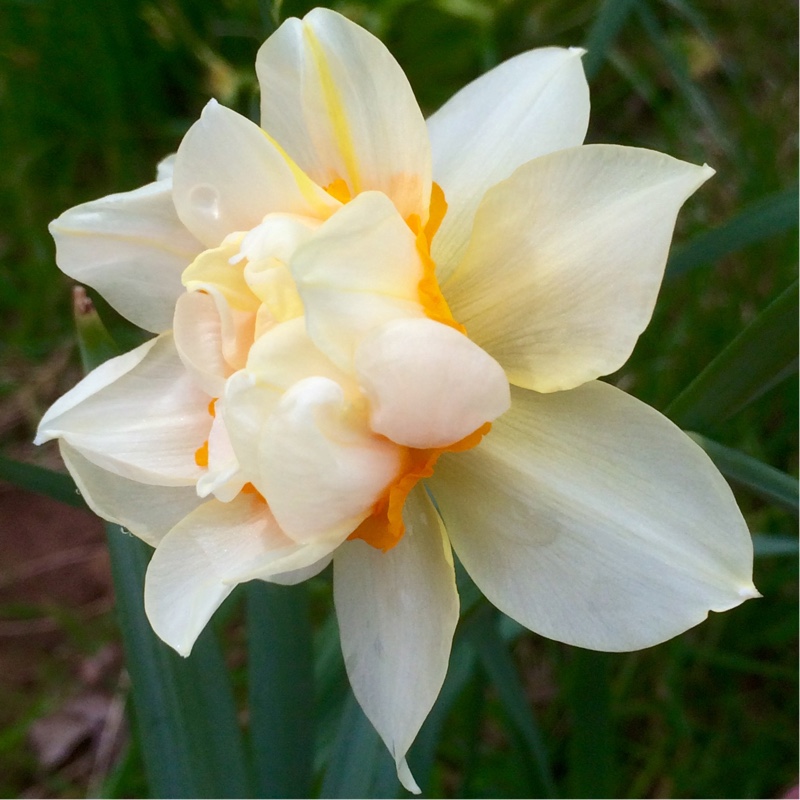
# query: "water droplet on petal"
[[205, 199]]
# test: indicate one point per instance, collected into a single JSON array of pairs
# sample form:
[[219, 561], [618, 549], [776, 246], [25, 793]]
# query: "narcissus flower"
[[379, 338]]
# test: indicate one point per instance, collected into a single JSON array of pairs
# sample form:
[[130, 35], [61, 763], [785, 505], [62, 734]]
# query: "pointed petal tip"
[[578, 51], [749, 592], [406, 778], [184, 650]]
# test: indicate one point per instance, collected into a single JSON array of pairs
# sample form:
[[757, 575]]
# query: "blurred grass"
[[92, 95]]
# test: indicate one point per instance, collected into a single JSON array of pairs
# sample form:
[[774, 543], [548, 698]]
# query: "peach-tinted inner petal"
[[384, 528]]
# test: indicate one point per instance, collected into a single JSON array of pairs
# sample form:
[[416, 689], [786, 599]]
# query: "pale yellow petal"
[[590, 518]]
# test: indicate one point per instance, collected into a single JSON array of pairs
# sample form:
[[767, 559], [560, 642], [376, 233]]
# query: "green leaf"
[[762, 220], [422, 756], [675, 62], [611, 18], [191, 744], [591, 761], [767, 482], [493, 654], [360, 764], [760, 357], [332, 687], [281, 688], [774, 544], [48, 482]]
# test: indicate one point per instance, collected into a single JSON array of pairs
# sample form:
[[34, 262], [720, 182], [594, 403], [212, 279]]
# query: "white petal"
[[296, 576], [566, 261], [188, 576], [286, 354], [99, 378], [397, 612], [224, 477], [139, 415], [428, 385], [269, 249], [198, 339], [165, 167], [132, 248], [228, 175], [280, 358], [533, 104], [146, 511], [360, 270], [277, 237], [590, 518], [334, 97], [321, 468]]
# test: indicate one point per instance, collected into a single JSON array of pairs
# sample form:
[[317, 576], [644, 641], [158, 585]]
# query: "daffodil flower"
[[379, 338]]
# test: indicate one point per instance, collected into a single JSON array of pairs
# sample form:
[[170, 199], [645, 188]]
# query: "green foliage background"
[[92, 95]]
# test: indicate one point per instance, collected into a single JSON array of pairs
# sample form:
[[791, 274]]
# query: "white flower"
[[311, 282]]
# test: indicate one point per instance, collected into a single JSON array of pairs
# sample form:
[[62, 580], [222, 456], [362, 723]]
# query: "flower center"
[[384, 527]]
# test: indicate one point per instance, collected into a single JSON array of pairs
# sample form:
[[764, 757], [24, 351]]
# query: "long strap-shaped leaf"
[[281, 688], [493, 654], [360, 764], [760, 357], [591, 761], [766, 481], [185, 711], [611, 18], [44, 481], [762, 220]]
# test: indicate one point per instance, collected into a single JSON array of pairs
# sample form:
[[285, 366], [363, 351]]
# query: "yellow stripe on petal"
[[335, 108], [310, 191]]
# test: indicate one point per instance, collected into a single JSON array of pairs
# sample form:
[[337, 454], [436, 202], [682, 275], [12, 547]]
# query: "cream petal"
[[224, 477], [269, 249], [296, 576], [566, 261], [139, 415], [198, 338], [165, 167], [285, 354], [321, 468], [397, 613], [105, 375], [334, 97], [530, 105], [247, 407], [146, 511], [228, 175], [281, 357], [591, 519], [132, 248], [189, 574], [427, 384], [277, 237], [360, 270], [218, 269]]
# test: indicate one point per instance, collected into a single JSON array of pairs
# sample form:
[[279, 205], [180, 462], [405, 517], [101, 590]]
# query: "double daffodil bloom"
[[379, 338]]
